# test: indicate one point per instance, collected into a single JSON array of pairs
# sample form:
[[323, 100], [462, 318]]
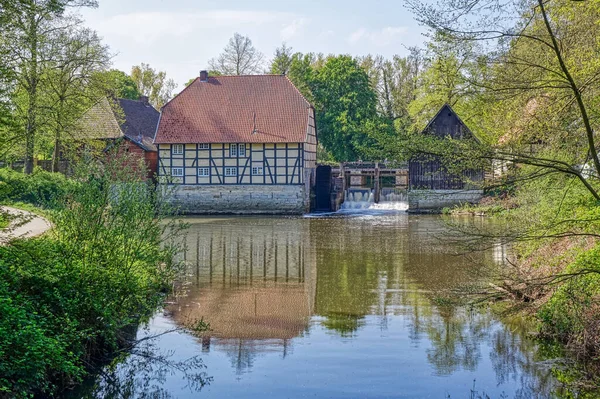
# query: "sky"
[[180, 36]]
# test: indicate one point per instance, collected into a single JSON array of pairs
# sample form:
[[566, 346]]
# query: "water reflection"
[[343, 307]]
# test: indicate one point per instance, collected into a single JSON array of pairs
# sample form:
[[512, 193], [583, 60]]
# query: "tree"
[[25, 41], [239, 57], [344, 102], [542, 57], [301, 72], [395, 82], [153, 84], [119, 84], [282, 61], [449, 69], [69, 86]]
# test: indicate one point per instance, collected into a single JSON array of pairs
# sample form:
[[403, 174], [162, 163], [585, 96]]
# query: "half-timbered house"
[[238, 144]]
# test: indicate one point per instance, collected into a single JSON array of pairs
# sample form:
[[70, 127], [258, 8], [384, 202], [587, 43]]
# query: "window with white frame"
[[241, 150], [177, 149], [177, 172], [203, 172], [231, 171], [257, 170], [203, 146], [233, 150]]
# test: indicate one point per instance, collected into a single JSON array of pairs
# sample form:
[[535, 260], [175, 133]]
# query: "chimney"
[[204, 76], [143, 99]]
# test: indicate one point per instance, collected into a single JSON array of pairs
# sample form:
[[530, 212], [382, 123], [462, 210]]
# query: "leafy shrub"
[[573, 312], [72, 299], [40, 188]]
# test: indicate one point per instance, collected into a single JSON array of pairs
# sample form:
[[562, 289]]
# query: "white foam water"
[[363, 200]]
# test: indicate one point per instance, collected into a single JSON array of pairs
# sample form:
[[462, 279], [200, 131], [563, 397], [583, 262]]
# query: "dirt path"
[[27, 225]]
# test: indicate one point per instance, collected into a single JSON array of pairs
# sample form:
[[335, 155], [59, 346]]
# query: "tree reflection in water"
[[143, 373], [266, 285]]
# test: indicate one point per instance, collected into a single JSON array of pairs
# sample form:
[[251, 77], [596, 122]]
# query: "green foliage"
[[301, 71], [77, 296], [344, 101], [40, 188], [575, 304], [153, 83], [282, 60], [120, 85]]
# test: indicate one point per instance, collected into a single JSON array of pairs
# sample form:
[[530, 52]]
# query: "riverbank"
[[553, 274], [75, 295]]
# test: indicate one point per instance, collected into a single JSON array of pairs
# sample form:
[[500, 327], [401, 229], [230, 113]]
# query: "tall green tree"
[[301, 72], [28, 28], [153, 83], [395, 82], [69, 86], [118, 84], [282, 60], [344, 101]]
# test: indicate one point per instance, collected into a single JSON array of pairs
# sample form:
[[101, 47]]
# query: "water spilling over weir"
[[364, 199]]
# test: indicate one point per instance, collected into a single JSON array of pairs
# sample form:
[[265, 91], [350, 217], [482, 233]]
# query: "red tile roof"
[[236, 109]]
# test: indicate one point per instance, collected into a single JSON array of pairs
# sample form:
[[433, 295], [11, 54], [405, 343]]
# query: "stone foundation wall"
[[425, 201], [240, 199]]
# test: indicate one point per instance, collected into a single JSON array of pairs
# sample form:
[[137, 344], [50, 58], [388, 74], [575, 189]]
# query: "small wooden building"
[[428, 172], [238, 144]]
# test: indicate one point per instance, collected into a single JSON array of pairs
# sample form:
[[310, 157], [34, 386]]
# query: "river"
[[339, 306]]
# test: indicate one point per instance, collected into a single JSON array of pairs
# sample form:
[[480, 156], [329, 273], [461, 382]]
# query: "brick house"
[[238, 144], [132, 121]]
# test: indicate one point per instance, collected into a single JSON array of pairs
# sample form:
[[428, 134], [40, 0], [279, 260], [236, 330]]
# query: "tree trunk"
[[32, 91], [56, 153], [29, 145]]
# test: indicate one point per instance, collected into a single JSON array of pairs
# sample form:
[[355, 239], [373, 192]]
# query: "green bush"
[[573, 312], [72, 299], [40, 188]]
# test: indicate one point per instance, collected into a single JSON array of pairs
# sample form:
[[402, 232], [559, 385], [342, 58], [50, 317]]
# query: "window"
[[177, 149], [241, 150], [257, 170], [204, 146], [231, 171], [176, 171], [233, 150], [204, 172]]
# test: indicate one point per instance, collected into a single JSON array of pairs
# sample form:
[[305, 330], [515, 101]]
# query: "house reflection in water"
[[267, 284], [252, 281]]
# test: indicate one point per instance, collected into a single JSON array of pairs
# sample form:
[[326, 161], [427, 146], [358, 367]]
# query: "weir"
[[364, 199], [383, 186]]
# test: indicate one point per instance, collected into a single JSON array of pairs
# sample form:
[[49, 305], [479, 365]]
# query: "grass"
[[5, 219]]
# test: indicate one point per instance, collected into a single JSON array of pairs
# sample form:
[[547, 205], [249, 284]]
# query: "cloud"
[[379, 37], [147, 27], [356, 36], [291, 30], [326, 34]]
